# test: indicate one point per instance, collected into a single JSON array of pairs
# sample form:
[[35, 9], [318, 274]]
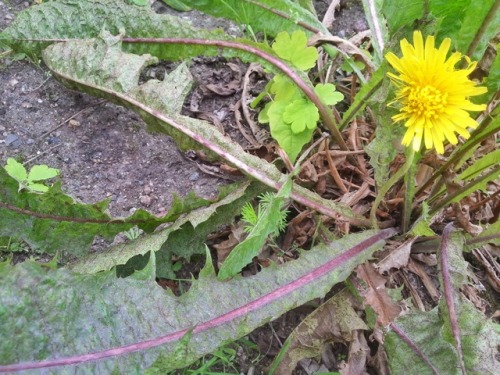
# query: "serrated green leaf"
[[473, 17], [54, 222], [328, 94], [431, 332], [289, 141], [383, 148], [42, 172], [301, 114], [47, 315], [268, 223], [16, 170], [293, 48]]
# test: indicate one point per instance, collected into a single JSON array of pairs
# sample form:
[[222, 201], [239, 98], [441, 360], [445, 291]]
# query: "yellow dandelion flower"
[[433, 94]]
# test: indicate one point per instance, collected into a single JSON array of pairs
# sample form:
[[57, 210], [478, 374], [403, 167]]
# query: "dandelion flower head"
[[433, 94]]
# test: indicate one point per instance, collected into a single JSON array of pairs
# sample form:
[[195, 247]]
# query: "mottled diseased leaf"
[[183, 238], [293, 48], [47, 316], [56, 20], [335, 320], [268, 16], [433, 333]]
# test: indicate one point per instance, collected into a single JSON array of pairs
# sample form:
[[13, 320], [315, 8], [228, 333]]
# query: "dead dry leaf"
[[376, 295], [335, 320], [397, 258], [358, 355]]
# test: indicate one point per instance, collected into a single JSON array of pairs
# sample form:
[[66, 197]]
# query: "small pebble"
[[30, 141], [13, 82], [145, 200], [194, 176], [11, 139], [147, 189]]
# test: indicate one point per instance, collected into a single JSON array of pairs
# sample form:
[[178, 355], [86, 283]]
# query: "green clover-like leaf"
[[293, 48], [16, 170], [284, 89], [327, 94], [289, 141], [37, 188], [301, 114], [42, 172]]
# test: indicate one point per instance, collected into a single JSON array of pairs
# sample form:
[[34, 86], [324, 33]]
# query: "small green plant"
[[133, 233], [252, 216], [30, 181], [292, 117]]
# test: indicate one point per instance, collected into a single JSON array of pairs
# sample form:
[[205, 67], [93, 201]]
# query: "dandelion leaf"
[[268, 16], [114, 312], [432, 335]]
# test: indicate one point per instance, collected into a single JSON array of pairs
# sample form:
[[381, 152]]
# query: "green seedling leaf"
[[269, 220], [131, 325], [17, 171], [301, 114], [293, 48], [42, 172], [284, 89], [289, 141], [328, 94], [36, 187]]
